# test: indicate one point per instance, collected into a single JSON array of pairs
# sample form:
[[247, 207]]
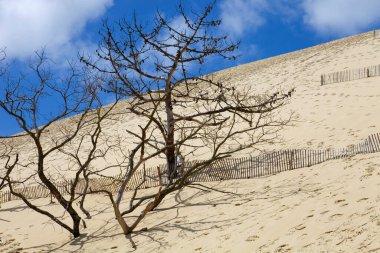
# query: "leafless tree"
[[183, 114], [7, 165], [92, 146], [8, 159], [54, 111]]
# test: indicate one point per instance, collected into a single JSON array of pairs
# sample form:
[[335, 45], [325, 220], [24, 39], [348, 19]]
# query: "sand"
[[330, 207]]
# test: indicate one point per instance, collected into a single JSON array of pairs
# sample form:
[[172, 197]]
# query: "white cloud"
[[341, 17], [241, 16], [246, 16], [29, 25], [326, 17]]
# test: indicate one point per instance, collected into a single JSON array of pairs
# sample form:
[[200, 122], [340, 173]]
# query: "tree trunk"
[[119, 217], [170, 151], [124, 184], [148, 208], [58, 196], [81, 203], [76, 225]]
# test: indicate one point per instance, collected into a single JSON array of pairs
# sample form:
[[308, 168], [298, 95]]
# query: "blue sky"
[[264, 27]]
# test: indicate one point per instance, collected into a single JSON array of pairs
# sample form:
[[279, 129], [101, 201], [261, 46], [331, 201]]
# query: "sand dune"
[[330, 207], [334, 115]]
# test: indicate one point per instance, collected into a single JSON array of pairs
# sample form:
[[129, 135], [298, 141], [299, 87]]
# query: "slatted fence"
[[230, 168], [349, 75]]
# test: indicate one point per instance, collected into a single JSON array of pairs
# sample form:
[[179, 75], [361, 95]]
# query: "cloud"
[[326, 17], [29, 25], [341, 17], [241, 16]]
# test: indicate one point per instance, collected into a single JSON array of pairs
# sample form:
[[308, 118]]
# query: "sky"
[[264, 28]]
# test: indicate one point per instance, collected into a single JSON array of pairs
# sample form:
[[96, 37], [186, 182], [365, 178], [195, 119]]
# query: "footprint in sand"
[[9, 245], [332, 217], [362, 199], [300, 227], [339, 201], [283, 248], [252, 238]]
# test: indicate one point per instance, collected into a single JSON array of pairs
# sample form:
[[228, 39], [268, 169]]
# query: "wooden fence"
[[349, 75], [230, 168]]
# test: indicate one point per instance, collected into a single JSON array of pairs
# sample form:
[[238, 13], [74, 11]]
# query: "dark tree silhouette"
[[182, 113], [76, 117]]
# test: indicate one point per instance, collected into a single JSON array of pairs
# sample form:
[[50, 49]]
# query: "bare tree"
[[183, 114], [92, 146], [54, 111], [6, 165]]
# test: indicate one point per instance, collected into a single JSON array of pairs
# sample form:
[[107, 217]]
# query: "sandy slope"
[[331, 115], [332, 206], [334, 115]]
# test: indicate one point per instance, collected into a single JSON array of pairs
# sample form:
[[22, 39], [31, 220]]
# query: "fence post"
[[291, 159], [159, 175], [375, 142], [372, 148]]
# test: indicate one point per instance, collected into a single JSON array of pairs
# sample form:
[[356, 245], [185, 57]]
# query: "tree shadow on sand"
[[182, 200]]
